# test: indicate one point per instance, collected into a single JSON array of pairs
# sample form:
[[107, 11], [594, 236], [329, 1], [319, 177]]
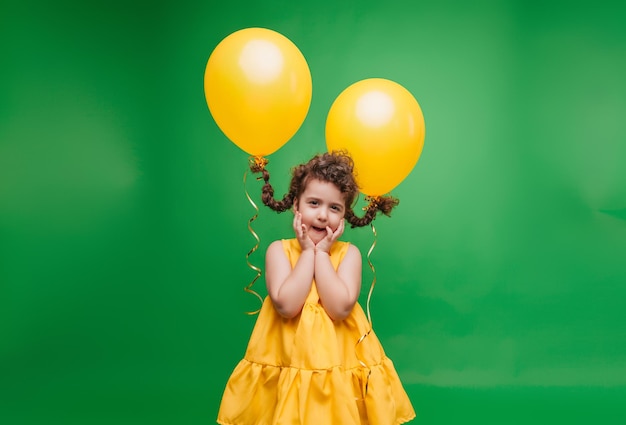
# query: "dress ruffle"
[[265, 394]]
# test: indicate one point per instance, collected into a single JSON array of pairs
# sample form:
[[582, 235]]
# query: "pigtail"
[[384, 204], [257, 165]]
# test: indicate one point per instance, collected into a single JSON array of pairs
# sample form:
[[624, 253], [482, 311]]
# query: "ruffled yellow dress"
[[307, 370]]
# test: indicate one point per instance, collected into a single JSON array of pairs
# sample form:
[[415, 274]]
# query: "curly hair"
[[335, 167]]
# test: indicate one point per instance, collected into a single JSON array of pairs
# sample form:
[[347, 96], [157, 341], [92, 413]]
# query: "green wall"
[[123, 218]]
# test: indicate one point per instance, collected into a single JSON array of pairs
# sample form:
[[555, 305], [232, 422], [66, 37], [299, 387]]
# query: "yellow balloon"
[[381, 125], [257, 86]]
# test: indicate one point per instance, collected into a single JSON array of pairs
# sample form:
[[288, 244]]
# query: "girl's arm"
[[338, 290], [287, 287]]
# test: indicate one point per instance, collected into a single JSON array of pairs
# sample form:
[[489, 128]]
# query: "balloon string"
[[248, 288], [369, 295], [365, 382]]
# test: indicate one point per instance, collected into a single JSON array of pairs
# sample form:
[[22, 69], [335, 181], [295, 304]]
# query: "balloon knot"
[[373, 202], [257, 163]]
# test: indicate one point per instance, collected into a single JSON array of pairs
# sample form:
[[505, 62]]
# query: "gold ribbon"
[[365, 382], [369, 262], [257, 164], [373, 202], [248, 288]]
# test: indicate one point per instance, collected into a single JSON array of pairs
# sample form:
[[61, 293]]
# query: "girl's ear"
[[295, 205]]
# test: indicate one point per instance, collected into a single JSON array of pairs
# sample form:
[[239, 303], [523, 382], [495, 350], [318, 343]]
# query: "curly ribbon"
[[365, 382], [373, 202], [259, 163], [369, 262]]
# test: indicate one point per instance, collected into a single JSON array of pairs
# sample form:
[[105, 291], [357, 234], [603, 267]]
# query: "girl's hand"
[[301, 232], [330, 238]]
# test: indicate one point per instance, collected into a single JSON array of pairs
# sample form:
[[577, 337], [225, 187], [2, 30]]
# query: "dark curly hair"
[[335, 167]]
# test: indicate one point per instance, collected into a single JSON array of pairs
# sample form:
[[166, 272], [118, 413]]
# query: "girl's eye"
[[313, 202], [336, 207]]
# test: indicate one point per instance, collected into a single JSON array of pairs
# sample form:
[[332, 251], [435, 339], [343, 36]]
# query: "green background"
[[501, 278]]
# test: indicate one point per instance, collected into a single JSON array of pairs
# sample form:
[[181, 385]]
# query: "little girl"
[[306, 362]]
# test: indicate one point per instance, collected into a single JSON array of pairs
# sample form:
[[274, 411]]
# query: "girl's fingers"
[[339, 230], [296, 228]]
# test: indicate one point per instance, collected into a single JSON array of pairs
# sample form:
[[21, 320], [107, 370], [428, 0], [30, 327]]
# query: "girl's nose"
[[322, 214]]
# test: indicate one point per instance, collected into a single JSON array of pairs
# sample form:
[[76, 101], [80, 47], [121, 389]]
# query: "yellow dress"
[[307, 370]]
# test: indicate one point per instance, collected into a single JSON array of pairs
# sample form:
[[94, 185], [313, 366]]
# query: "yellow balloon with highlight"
[[258, 89], [381, 126]]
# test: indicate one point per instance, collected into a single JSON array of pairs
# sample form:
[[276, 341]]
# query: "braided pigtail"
[[257, 165], [384, 204]]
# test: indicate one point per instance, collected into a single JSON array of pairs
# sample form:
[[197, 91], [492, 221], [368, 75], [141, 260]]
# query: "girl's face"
[[321, 205]]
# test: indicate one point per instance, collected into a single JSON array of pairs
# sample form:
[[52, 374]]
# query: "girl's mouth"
[[318, 229]]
